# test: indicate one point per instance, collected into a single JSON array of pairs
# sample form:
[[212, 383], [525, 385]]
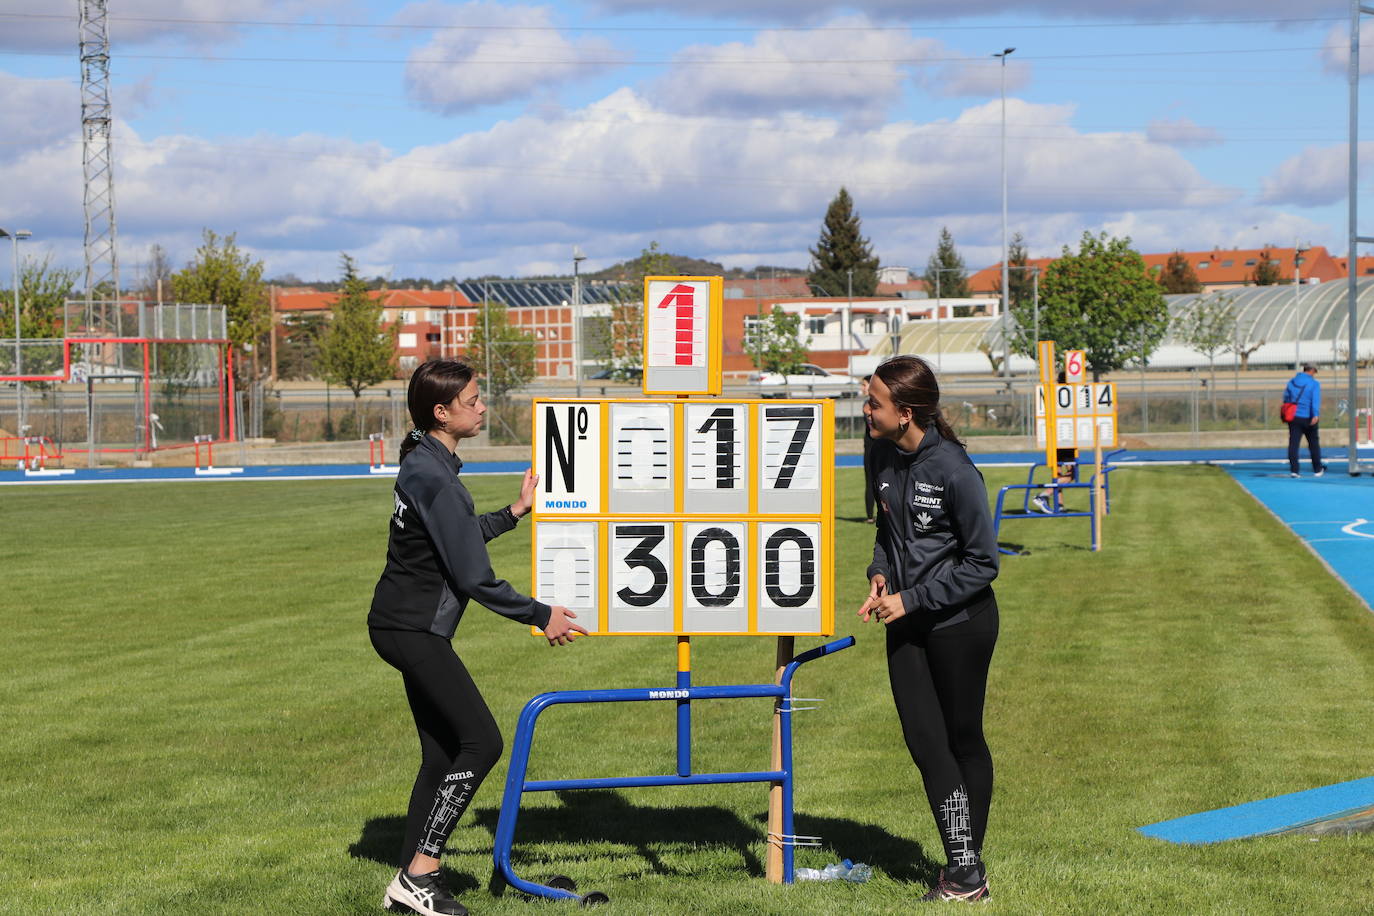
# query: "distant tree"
[[1246, 344], [508, 349], [1101, 300], [298, 350], [1267, 271], [43, 291], [840, 249], [1178, 275], [220, 274], [947, 265], [618, 344], [1021, 279], [1209, 328], [356, 351], [774, 342], [155, 276]]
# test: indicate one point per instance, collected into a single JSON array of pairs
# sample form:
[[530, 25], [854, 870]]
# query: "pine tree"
[[948, 265], [841, 249], [1267, 272], [1179, 276]]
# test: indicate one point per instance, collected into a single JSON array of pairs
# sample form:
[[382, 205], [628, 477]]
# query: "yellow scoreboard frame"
[[679, 517]]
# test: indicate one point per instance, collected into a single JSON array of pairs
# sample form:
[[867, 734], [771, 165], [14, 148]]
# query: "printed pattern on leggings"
[[449, 804], [957, 828]]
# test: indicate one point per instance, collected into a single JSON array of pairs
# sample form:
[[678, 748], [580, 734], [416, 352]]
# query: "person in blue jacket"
[[436, 561], [934, 559], [1305, 391]]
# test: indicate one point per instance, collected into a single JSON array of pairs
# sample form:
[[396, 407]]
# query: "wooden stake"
[[1098, 494], [786, 644]]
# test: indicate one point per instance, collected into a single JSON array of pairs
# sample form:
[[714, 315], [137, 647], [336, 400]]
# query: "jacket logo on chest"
[[923, 520]]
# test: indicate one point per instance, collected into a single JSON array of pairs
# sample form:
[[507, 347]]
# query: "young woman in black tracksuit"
[[436, 560], [934, 560]]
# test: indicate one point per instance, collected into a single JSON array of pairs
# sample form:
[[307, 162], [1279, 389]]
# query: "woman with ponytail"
[[436, 560], [934, 559]]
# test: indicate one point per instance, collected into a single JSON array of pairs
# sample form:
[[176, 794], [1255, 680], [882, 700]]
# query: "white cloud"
[[1335, 53], [611, 177], [200, 23], [977, 76], [850, 67], [1182, 132], [912, 10], [482, 63], [845, 70], [1318, 175], [26, 111]]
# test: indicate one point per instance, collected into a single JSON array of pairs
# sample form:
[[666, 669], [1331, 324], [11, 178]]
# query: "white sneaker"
[[1294, 474], [1320, 471], [427, 895], [1042, 505]]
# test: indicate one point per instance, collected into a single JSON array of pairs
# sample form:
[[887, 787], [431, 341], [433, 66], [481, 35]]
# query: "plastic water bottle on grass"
[[845, 870]]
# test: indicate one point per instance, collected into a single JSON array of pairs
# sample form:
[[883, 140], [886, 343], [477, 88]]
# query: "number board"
[[682, 335], [1078, 409], [686, 517]]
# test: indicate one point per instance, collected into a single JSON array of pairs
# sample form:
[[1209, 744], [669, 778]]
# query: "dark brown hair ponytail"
[[912, 384]]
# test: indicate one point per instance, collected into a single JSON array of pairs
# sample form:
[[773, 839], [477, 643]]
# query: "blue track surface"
[[1334, 515], [1269, 815]]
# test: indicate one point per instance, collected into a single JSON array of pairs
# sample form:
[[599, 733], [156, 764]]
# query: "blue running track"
[[1332, 514]]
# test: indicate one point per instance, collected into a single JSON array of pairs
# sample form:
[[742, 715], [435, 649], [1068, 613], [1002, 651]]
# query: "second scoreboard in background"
[[686, 517]]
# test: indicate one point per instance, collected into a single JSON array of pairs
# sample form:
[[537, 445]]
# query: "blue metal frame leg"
[[517, 784]]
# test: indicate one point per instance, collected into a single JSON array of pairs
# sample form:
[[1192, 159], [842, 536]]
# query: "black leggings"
[[459, 740], [938, 680]]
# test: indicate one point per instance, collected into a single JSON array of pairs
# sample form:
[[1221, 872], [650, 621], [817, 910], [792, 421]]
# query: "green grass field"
[[194, 721]]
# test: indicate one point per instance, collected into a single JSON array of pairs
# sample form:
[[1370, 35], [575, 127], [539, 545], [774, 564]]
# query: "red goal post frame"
[[224, 374]]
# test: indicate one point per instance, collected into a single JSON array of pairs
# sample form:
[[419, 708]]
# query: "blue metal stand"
[[1056, 489], [517, 784]]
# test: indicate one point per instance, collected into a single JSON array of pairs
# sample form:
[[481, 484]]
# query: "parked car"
[[812, 380], [634, 374]]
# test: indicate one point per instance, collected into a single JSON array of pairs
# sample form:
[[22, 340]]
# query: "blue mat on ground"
[[1281, 814], [1333, 514]]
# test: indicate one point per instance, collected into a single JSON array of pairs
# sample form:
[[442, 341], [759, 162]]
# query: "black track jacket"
[[436, 556], [935, 542]]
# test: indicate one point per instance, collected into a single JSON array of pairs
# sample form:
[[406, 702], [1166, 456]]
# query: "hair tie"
[[416, 434]]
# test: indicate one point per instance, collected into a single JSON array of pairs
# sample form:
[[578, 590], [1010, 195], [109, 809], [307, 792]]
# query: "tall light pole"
[[1006, 344], [578, 258], [848, 312], [1297, 301], [14, 237]]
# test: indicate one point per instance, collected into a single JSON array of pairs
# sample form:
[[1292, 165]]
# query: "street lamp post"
[[1006, 344], [578, 258], [1297, 301], [14, 237]]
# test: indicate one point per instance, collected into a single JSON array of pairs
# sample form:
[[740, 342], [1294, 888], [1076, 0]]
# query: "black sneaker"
[[945, 889], [427, 895]]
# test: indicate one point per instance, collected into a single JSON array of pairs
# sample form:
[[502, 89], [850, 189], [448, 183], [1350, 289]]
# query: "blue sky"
[[457, 139]]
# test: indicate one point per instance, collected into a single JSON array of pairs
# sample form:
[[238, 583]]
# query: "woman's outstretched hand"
[[879, 604], [523, 505], [560, 629]]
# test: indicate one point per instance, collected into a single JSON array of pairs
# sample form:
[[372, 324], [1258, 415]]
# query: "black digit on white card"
[[642, 557], [731, 572]]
